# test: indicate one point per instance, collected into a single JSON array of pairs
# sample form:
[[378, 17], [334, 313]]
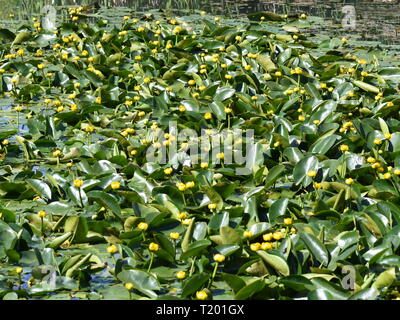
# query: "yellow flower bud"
[[154, 246], [266, 246], [112, 249], [277, 235], [57, 153], [247, 234], [115, 185], [268, 237], [168, 171], [287, 221], [387, 175], [189, 184], [201, 295], [312, 173], [143, 226], [219, 258], [174, 235], [129, 286], [181, 186], [255, 246], [212, 206], [78, 183], [317, 185], [344, 147], [204, 165], [182, 215], [207, 115]]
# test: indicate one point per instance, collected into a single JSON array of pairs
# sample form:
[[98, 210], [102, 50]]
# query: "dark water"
[[369, 19]]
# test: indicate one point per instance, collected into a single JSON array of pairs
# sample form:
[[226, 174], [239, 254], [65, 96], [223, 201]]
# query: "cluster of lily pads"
[[83, 214]]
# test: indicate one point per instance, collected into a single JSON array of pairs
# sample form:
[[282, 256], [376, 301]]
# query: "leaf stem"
[[41, 226], [151, 261], [213, 275], [18, 121], [192, 266]]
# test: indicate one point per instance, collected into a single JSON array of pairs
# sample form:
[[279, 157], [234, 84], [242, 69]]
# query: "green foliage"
[[81, 201]]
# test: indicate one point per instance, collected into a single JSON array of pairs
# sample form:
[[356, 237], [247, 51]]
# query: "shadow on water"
[[369, 19]]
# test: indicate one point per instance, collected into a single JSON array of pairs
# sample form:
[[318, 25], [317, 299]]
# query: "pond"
[[112, 183], [376, 20]]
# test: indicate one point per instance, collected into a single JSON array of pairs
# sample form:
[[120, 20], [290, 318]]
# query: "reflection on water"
[[371, 19]]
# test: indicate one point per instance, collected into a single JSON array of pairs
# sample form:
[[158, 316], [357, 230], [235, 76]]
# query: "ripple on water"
[[101, 280], [40, 169]]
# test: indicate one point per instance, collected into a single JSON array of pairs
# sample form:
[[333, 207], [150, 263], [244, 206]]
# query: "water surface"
[[369, 19]]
